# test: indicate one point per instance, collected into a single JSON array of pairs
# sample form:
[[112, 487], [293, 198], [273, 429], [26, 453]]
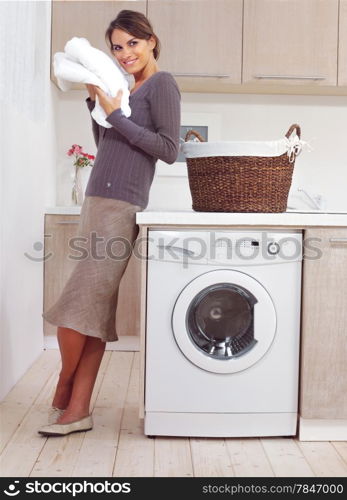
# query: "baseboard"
[[219, 424], [125, 343], [311, 429]]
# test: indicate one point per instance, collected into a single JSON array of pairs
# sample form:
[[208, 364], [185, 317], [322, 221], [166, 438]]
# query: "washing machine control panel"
[[247, 248], [224, 247]]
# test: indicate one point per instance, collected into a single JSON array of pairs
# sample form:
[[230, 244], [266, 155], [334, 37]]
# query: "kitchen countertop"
[[71, 210], [192, 218], [286, 219]]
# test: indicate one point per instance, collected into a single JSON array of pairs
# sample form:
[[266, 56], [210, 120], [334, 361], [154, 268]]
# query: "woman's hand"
[[91, 91], [109, 104]]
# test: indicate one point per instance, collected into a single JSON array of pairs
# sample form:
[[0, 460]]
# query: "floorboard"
[[117, 446]]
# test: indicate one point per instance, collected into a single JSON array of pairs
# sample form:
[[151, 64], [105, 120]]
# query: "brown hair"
[[136, 24]]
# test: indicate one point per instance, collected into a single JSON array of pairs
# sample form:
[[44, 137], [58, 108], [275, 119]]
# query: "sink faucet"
[[316, 200]]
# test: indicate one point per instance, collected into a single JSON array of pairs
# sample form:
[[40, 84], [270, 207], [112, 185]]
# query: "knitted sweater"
[[127, 152]]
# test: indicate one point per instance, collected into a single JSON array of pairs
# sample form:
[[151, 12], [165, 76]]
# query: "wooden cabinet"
[[257, 46], [201, 39], [59, 229], [290, 42], [342, 62], [57, 267], [324, 325], [86, 19]]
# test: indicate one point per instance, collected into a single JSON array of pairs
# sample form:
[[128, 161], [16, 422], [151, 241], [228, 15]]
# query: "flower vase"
[[77, 187], [80, 182]]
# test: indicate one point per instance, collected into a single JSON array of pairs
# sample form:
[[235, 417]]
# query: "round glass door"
[[220, 320], [224, 321]]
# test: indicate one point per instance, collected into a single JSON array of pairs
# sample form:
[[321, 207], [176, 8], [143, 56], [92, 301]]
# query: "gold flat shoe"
[[84, 424]]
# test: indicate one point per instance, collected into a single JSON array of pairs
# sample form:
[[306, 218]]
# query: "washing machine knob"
[[273, 248]]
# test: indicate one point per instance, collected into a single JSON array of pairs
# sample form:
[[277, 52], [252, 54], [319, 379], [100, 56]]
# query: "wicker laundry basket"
[[241, 177]]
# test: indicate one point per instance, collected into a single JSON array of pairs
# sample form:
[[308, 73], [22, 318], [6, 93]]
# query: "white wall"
[[27, 173], [323, 120]]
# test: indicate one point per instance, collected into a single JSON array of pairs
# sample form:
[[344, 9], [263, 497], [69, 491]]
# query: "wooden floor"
[[117, 446]]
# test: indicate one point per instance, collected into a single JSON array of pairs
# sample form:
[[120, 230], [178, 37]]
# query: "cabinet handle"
[[68, 222], [338, 240], [202, 75], [284, 77]]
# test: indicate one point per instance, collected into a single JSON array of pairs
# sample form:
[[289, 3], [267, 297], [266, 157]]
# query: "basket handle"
[[193, 132], [292, 128]]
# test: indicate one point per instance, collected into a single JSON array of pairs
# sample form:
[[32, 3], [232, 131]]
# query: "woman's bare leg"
[[84, 380], [71, 345]]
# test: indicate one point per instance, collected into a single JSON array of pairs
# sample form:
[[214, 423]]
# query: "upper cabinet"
[[290, 42], [86, 19], [342, 76], [258, 46], [199, 38]]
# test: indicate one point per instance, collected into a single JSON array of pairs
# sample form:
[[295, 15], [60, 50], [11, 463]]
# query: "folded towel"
[[82, 63]]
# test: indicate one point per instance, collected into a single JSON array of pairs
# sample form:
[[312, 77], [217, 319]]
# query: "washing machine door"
[[224, 321]]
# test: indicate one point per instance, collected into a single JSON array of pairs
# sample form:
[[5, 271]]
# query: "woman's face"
[[133, 54]]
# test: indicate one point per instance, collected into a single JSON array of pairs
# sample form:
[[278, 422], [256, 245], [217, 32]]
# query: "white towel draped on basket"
[[291, 146], [82, 63]]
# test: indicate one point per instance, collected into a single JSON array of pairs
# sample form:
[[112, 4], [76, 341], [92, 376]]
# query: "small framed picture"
[[208, 125]]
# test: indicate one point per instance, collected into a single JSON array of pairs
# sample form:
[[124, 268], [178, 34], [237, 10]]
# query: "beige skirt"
[[107, 231]]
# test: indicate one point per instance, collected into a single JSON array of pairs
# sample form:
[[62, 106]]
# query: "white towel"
[[292, 146], [82, 63]]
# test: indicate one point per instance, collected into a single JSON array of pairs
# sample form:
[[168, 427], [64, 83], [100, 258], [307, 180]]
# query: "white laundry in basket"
[[197, 149]]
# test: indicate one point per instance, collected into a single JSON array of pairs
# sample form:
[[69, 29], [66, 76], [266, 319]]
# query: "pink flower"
[[81, 159], [77, 149]]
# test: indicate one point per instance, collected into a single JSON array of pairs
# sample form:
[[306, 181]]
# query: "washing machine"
[[222, 332]]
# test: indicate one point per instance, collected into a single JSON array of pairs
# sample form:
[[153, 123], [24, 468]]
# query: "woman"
[[118, 188]]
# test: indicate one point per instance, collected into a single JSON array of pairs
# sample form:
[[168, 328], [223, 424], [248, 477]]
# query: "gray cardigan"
[[127, 152]]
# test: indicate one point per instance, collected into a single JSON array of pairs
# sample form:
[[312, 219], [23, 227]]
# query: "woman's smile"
[[130, 62]]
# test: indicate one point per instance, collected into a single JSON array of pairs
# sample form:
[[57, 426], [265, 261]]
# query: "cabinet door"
[[291, 42], [86, 19], [199, 38], [58, 266], [342, 63], [324, 325]]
